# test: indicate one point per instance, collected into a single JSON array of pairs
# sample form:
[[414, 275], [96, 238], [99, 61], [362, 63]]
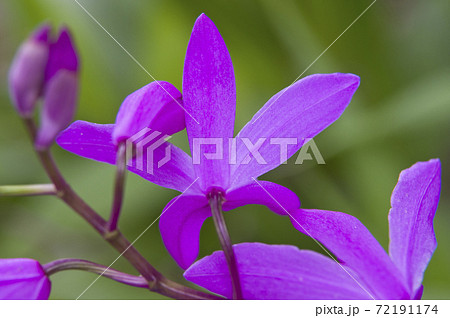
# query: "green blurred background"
[[399, 115]]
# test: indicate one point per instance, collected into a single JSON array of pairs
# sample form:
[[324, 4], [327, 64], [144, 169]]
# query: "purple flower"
[[365, 270], [26, 75], [22, 278], [299, 111]]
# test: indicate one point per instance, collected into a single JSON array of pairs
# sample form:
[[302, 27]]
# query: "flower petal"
[[350, 241], [298, 112], [23, 279], [89, 140], [414, 202], [277, 198], [59, 106], [94, 141], [180, 225], [62, 55], [60, 90], [209, 95], [157, 105], [276, 272]]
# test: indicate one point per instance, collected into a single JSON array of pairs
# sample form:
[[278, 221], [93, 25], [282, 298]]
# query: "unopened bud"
[[23, 279], [26, 75], [60, 90]]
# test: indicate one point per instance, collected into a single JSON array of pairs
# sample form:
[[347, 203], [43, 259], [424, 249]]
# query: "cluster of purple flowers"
[[359, 269]]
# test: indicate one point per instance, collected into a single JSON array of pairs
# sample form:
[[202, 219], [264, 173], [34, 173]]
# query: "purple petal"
[[58, 110], [89, 140], [419, 293], [62, 56], [209, 95], [350, 241], [298, 112], [180, 224], [414, 203], [276, 272], [94, 141], [26, 75], [23, 279], [277, 198], [60, 90], [157, 105]]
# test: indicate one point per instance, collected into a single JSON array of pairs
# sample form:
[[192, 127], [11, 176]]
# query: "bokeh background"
[[399, 115]]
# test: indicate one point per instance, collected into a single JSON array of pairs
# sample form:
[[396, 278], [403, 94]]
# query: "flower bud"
[[60, 90], [26, 75], [23, 279], [157, 106]]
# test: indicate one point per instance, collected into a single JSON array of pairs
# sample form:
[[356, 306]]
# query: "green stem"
[[27, 190]]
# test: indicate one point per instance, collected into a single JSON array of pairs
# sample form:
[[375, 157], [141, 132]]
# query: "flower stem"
[[215, 202], [27, 190], [79, 264], [118, 187], [157, 282]]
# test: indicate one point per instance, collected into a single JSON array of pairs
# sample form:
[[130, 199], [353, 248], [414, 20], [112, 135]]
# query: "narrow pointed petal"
[[298, 112], [23, 279], [157, 105], [277, 198], [94, 141], [180, 225], [414, 203], [26, 75], [209, 95], [89, 140], [276, 272], [355, 247]]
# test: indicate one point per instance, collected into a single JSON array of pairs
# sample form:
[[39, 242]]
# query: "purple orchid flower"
[[364, 271], [23, 279], [299, 111]]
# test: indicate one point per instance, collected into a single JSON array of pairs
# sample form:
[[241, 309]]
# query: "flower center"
[[215, 193]]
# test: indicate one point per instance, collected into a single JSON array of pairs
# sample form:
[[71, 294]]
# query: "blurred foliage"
[[400, 115]]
